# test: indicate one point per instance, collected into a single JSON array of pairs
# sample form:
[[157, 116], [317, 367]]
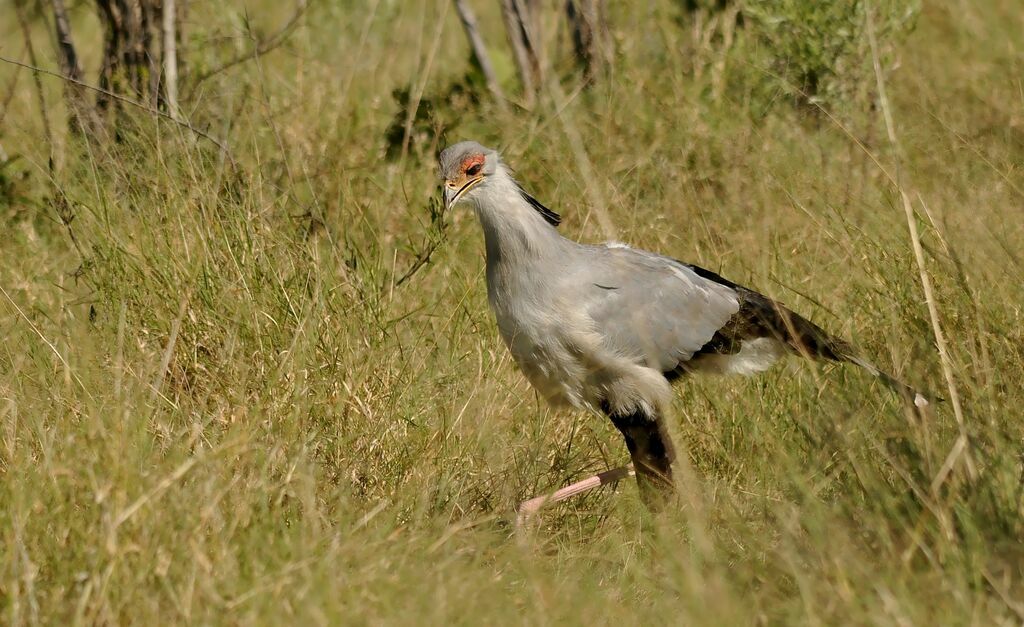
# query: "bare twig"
[[589, 35], [592, 186], [68, 55], [172, 340], [961, 447], [440, 232], [529, 18], [260, 48], [153, 493], [517, 30], [32, 65], [170, 55], [39, 333], [182, 123], [11, 90], [417, 95], [82, 114], [131, 62], [476, 42], [354, 69], [422, 259], [1004, 593]]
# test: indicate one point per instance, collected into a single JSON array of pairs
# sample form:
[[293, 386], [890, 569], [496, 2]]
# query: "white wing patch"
[[754, 356], [614, 244]]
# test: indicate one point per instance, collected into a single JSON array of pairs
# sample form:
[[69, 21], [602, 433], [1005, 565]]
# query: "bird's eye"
[[474, 169]]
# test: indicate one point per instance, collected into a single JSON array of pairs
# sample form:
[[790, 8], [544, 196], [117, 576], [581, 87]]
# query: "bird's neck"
[[514, 232]]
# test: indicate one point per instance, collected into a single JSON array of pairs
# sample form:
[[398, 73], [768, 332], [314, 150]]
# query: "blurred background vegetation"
[[248, 372]]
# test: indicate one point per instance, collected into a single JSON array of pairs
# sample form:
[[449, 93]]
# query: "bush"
[[820, 50]]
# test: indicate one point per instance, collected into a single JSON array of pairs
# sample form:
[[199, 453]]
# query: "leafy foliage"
[[821, 48]]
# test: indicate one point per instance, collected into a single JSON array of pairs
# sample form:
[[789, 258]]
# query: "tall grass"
[[218, 405]]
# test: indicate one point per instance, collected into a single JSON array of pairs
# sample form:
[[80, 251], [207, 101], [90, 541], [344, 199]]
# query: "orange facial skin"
[[471, 161]]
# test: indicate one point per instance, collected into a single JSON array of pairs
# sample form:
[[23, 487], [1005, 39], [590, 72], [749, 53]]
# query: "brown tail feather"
[[809, 340], [760, 316]]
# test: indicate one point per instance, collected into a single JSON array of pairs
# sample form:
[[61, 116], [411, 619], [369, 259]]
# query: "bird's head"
[[465, 168]]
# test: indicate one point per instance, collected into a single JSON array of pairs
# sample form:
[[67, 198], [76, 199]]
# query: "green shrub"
[[819, 51]]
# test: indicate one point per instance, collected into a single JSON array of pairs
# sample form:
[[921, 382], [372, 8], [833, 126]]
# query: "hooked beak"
[[452, 194]]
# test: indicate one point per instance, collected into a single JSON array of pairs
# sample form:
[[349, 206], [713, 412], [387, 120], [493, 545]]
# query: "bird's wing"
[[650, 307]]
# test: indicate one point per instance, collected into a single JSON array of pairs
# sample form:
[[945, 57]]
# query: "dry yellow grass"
[[216, 405]]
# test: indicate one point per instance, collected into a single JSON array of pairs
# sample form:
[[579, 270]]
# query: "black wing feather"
[[760, 316]]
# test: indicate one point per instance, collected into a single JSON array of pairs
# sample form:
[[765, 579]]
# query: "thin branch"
[[40, 95], [529, 18], [182, 123], [515, 30], [68, 55], [422, 259], [168, 354], [261, 48], [440, 228], [476, 42], [961, 446], [591, 186], [170, 55], [11, 91], [589, 34], [83, 117], [48, 343], [417, 95]]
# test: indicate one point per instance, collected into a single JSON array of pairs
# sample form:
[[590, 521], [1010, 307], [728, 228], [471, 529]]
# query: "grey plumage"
[[607, 327]]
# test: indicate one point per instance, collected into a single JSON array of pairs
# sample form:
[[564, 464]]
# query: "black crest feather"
[[552, 218]]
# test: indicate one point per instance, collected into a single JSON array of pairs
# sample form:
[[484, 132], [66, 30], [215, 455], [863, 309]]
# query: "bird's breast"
[[539, 331]]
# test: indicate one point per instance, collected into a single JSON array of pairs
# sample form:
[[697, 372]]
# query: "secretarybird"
[[607, 327]]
